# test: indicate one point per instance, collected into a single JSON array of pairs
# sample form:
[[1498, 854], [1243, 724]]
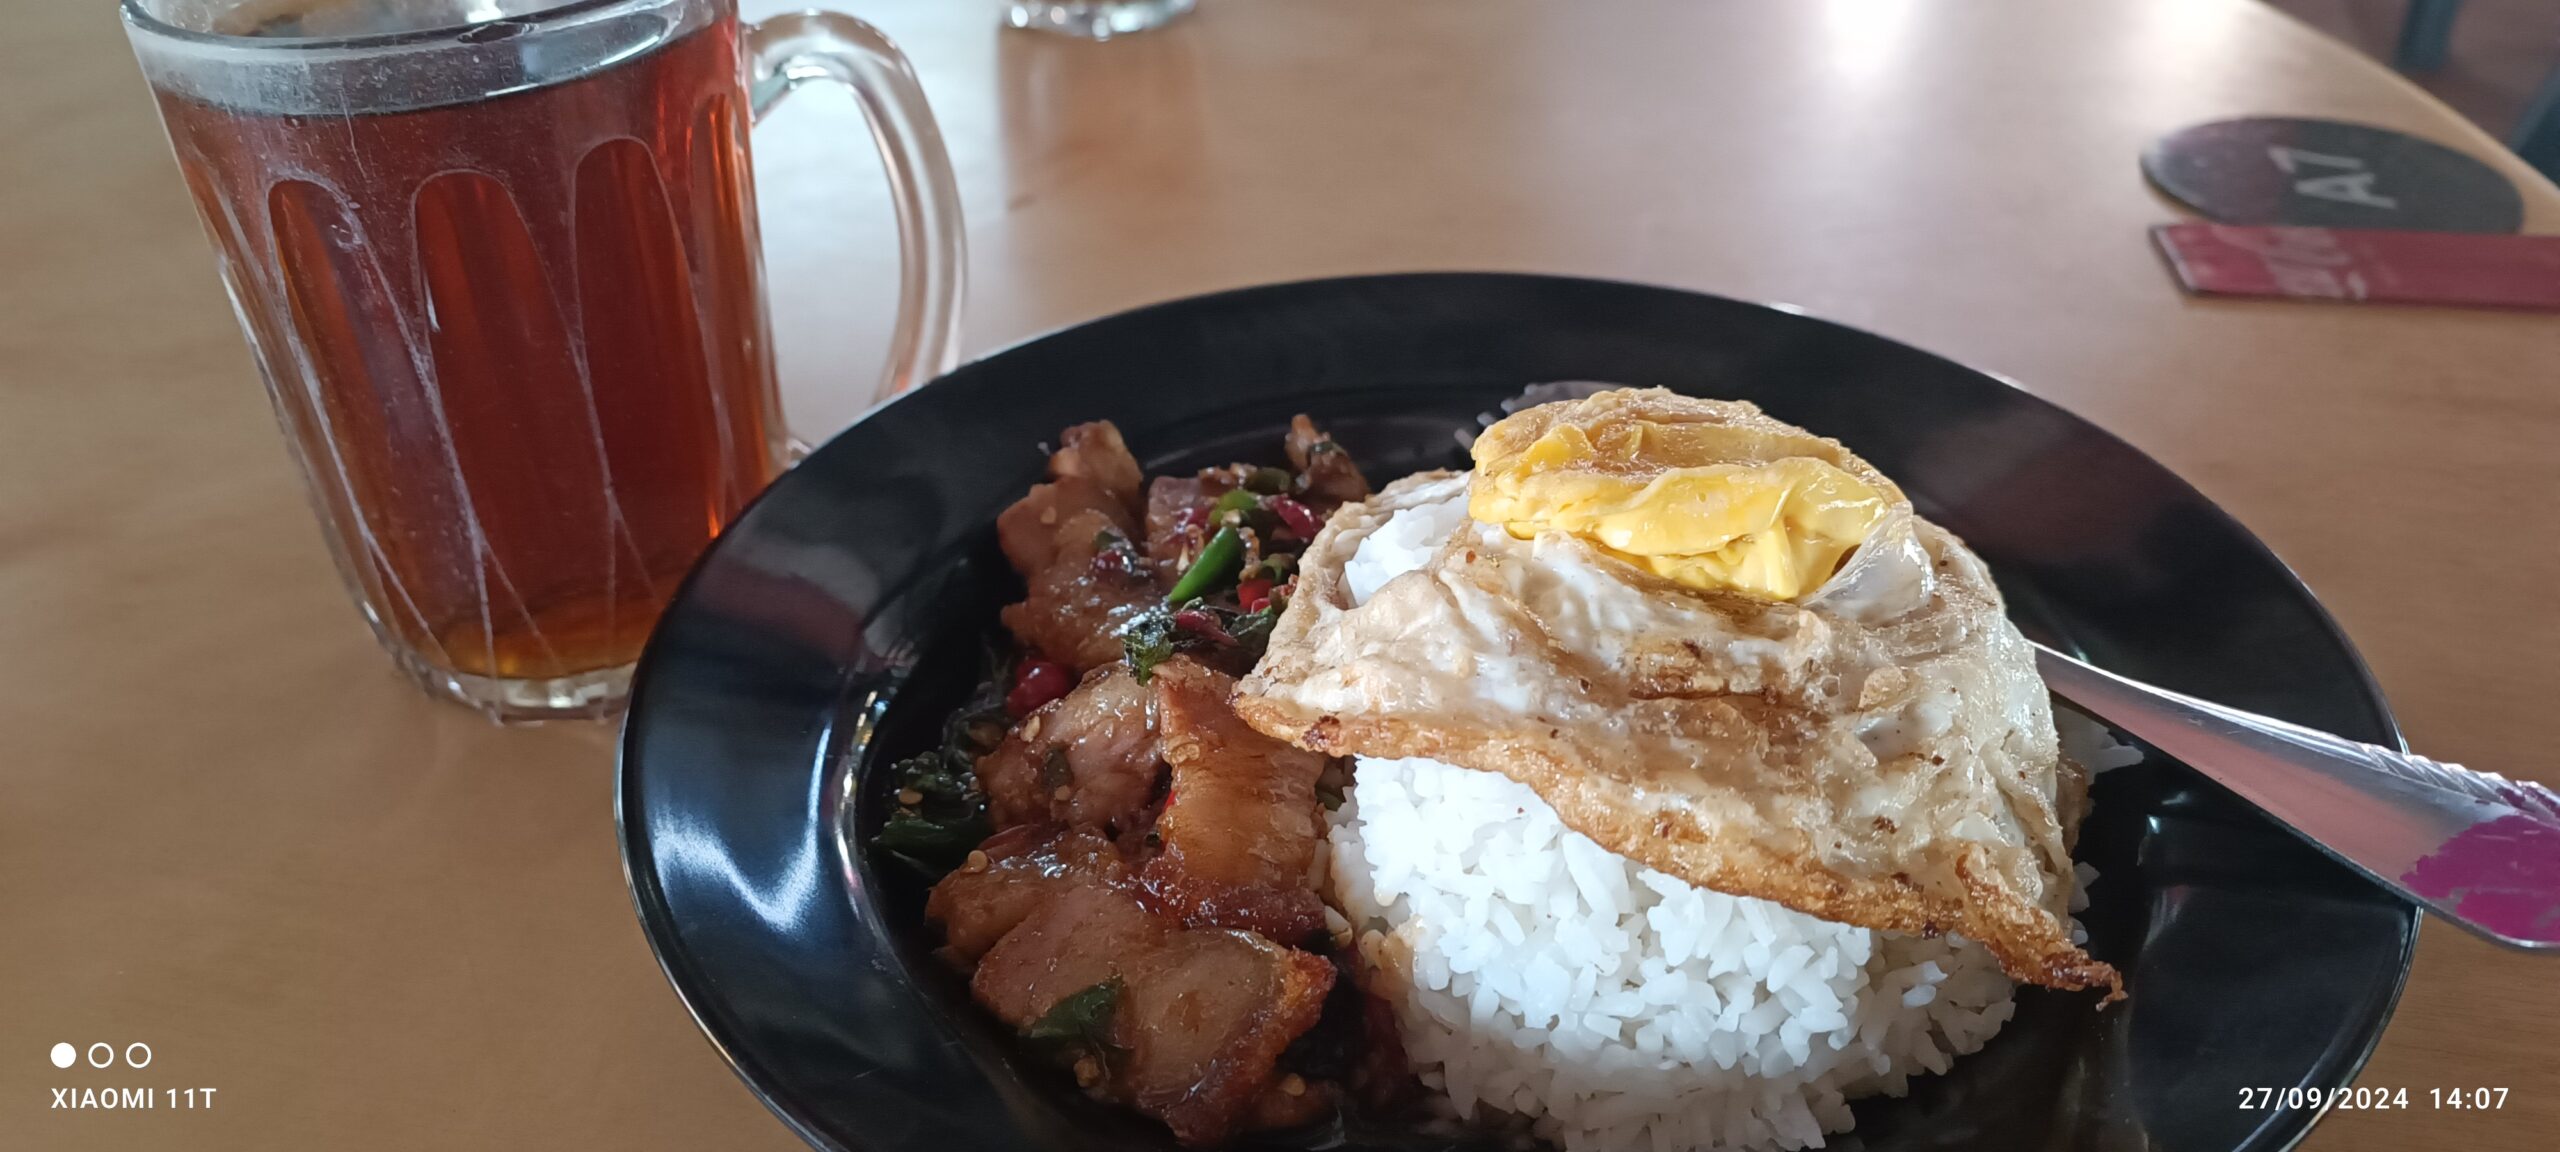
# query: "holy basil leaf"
[[1078, 1025], [1252, 630], [1148, 639], [941, 815], [933, 847]]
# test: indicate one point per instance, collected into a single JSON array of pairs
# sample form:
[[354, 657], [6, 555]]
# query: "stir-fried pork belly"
[[1094, 583], [1326, 472], [1096, 453], [1073, 540], [1126, 928], [1087, 760], [1192, 1021], [1092, 472], [1240, 827], [1025, 867]]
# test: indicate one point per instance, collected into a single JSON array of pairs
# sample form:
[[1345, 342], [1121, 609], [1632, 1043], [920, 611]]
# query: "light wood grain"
[[229, 830]]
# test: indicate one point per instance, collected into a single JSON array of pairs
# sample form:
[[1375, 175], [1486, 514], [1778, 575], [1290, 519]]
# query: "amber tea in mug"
[[498, 263]]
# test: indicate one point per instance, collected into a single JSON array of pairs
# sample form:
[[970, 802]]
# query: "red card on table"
[[2365, 265]]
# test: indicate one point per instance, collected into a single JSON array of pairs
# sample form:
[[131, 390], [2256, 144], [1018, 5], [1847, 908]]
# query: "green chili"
[[1236, 502], [1212, 570]]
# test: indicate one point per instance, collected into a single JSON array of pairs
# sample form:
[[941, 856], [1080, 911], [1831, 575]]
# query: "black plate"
[[828, 630]]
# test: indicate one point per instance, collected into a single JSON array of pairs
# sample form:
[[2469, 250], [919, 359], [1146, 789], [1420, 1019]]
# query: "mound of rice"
[[1617, 1008]]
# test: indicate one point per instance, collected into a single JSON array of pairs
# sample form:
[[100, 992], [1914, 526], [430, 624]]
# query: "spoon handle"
[[2472, 847]]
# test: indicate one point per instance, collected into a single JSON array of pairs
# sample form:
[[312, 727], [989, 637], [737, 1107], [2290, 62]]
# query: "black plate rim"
[[676, 963]]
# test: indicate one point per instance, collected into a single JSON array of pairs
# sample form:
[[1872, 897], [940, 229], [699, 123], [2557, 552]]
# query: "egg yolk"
[[1699, 504]]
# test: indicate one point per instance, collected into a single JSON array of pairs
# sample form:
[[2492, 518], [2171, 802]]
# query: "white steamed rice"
[[1618, 1008]]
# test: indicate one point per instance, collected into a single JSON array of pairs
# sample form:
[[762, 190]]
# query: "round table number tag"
[[2325, 173]]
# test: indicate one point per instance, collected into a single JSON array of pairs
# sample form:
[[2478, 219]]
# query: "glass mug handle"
[[789, 50]]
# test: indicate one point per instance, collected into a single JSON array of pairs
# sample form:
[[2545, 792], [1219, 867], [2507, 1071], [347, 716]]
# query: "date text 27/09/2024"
[[2373, 1099]]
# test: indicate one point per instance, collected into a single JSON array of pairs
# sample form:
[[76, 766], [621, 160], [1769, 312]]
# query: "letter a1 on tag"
[[2294, 160], [2346, 188], [2349, 183]]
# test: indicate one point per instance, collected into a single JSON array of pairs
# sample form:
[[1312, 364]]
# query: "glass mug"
[[497, 261]]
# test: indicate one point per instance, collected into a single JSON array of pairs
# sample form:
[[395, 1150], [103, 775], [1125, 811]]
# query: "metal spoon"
[[2475, 848]]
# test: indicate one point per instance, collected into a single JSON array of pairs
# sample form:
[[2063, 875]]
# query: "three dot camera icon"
[[103, 1093], [103, 1055]]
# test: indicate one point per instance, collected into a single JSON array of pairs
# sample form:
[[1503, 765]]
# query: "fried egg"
[[1716, 644]]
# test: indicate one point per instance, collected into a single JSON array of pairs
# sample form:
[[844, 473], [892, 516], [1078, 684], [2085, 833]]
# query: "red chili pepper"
[[1118, 561], [1253, 594], [1300, 518], [1201, 624], [1037, 682]]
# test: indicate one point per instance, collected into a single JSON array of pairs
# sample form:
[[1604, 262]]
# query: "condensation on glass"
[[498, 263]]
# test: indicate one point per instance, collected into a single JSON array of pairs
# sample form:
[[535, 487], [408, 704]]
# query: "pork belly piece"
[[1326, 473], [1241, 826], [1191, 1020], [1074, 541], [1035, 528], [1024, 867], [1086, 760], [1091, 472], [1094, 452], [1094, 583]]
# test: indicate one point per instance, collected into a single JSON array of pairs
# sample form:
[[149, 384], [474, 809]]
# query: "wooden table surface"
[[230, 831]]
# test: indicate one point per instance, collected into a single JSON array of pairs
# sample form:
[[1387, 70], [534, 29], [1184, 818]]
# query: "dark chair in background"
[[2537, 137], [2424, 35]]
